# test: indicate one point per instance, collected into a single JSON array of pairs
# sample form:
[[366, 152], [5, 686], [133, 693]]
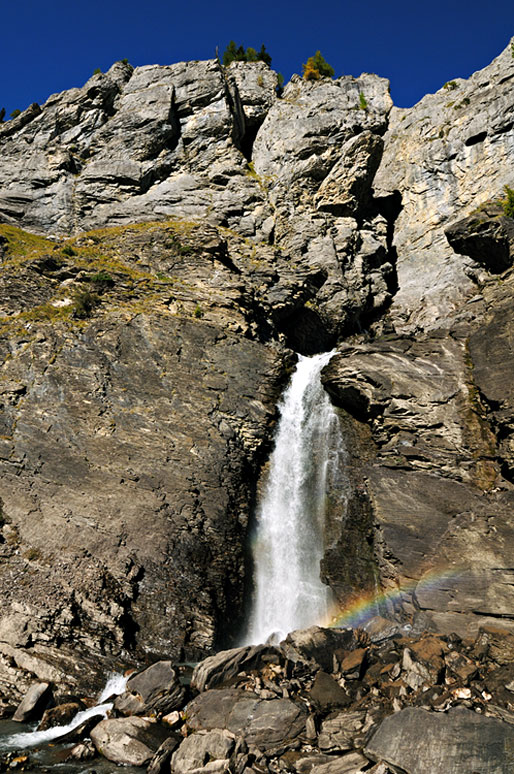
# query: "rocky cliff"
[[169, 235]]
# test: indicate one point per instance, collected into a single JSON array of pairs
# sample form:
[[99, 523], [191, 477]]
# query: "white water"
[[291, 516], [114, 686]]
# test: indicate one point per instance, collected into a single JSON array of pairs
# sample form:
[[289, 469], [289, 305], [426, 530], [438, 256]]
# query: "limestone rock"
[[161, 760], [487, 236], [352, 763], [59, 715], [198, 752], [446, 156], [460, 741], [269, 725], [317, 643], [218, 669], [339, 731], [327, 694], [128, 741], [154, 690], [33, 703], [347, 187]]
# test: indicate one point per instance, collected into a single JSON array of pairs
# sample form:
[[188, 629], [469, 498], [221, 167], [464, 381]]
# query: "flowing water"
[[289, 538], [25, 739]]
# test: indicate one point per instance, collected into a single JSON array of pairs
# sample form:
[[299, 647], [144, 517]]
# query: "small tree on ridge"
[[317, 68]]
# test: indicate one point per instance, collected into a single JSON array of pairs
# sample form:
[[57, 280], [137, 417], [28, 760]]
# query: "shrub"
[[317, 68], [83, 303], [2, 115], [102, 278], [508, 202], [97, 71], [15, 113], [450, 85], [198, 313], [68, 250], [363, 103], [234, 53]]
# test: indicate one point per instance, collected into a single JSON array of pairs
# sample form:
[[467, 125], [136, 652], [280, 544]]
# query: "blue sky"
[[51, 45]]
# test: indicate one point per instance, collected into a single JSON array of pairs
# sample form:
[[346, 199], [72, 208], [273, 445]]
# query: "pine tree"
[[317, 68], [234, 53]]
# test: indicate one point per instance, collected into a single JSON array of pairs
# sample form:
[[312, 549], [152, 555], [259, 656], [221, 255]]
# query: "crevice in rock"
[[475, 139], [248, 139]]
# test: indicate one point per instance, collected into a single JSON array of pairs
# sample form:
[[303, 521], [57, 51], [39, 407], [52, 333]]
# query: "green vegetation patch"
[[21, 244], [235, 53], [508, 202]]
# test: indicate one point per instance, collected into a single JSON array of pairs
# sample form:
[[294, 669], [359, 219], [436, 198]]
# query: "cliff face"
[[141, 364]]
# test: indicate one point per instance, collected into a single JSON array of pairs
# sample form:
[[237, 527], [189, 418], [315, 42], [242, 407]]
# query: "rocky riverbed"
[[381, 699]]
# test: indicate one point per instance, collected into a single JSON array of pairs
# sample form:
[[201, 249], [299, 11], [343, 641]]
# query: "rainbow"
[[372, 603]]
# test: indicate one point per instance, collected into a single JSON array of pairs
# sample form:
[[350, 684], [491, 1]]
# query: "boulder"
[[271, 725], [129, 741], [460, 741], [327, 694], [341, 731], [317, 644], [160, 762], [84, 751], [33, 704], [59, 715], [352, 763], [155, 689], [220, 668], [487, 236], [199, 751]]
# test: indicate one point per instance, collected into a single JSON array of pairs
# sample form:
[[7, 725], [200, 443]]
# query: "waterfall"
[[288, 542]]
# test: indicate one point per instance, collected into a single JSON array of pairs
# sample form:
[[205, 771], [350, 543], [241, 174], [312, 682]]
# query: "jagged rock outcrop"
[[432, 380], [446, 156], [141, 365]]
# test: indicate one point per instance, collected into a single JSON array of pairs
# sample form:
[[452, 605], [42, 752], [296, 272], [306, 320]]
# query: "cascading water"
[[114, 686], [288, 544]]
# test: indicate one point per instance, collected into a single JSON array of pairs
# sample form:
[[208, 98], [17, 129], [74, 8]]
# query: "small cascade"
[[289, 538], [114, 686]]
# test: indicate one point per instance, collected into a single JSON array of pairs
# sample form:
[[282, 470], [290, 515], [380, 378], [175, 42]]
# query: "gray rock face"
[[33, 703], [202, 751], [154, 142], [115, 429], [435, 479], [128, 741], [459, 741], [135, 144], [220, 668], [268, 725], [154, 690], [487, 236], [447, 155]]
